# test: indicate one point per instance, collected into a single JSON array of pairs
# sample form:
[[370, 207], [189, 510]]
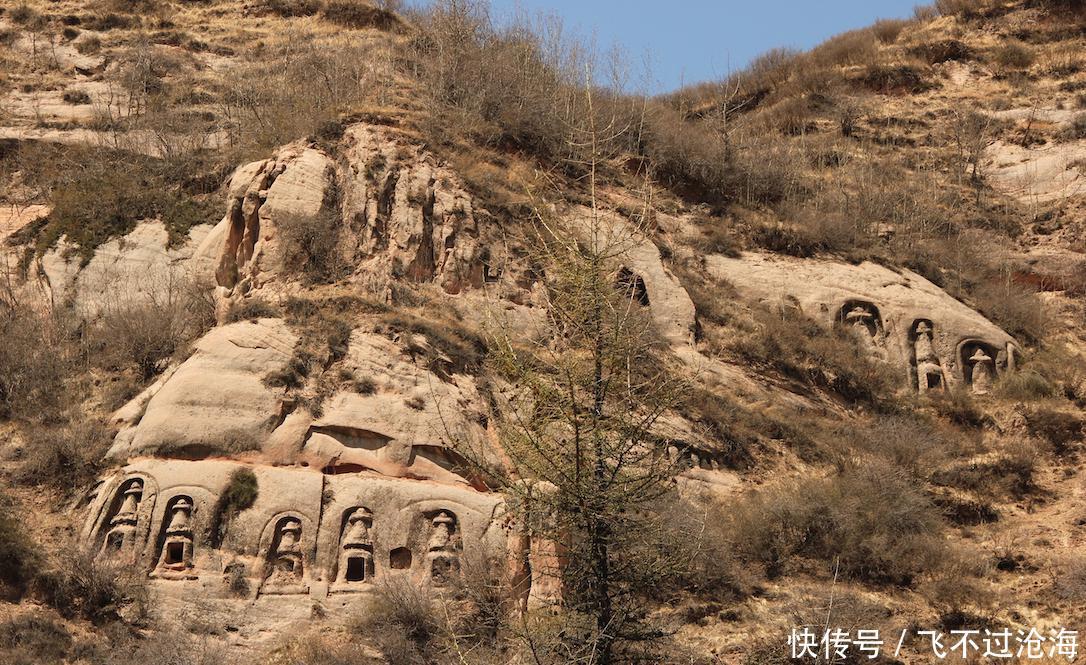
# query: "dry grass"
[[871, 521], [66, 458]]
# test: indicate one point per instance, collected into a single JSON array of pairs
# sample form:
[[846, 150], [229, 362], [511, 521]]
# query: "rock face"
[[358, 464], [216, 399], [933, 339], [406, 218], [125, 270], [306, 534]]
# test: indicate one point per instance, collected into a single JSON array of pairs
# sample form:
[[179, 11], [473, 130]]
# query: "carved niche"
[[861, 320], [285, 565], [443, 548], [177, 546], [979, 369], [929, 371], [119, 542], [355, 564]]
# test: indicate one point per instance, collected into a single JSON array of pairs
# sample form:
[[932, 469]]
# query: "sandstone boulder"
[[216, 400]]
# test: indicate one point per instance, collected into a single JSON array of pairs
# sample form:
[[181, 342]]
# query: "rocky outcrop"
[[398, 215], [902, 318], [306, 534], [216, 400], [129, 269]]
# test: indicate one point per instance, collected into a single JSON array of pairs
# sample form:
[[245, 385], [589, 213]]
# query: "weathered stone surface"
[[127, 270], [405, 427], [291, 185], [401, 521], [215, 396], [894, 304]]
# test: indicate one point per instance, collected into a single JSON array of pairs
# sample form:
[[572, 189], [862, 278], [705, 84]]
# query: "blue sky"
[[698, 40]]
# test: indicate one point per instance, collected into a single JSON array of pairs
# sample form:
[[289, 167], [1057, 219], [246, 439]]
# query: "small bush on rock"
[[240, 493]]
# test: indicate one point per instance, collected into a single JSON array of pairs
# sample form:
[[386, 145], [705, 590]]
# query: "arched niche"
[[977, 362], [287, 552], [124, 524], [176, 542], [354, 564]]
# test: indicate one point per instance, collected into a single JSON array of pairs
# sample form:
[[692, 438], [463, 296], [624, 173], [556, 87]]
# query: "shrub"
[[909, 442], [1015, 308], [1025, 384], [482, 600], [316, 649], [250, 309], [704, 556], [799, 348], [717, 238], [66, 458], [895, 79], [958, 407], [358, 14], [22, 14], [133, 6], [102, 195], [404, 620], [145, 333], [451, 345], [967, 9], [34, 637], [1059, 428], [19, 554], [76, 97], [887, 29], [1013, 55], [312, 245], [942, 51], [854, 47], [240, 493], [876, 524], [787, 239], [1009, 473], [291, 8], [1077, 128], [89, 45], [171, 647], [81, 586], [35, 360]]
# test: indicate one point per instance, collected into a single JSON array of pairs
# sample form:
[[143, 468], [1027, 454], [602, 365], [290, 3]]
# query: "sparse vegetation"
[[240, 493], [871, 521], [249, 309], [66, 457], [21, 556], [784, 340], [842, 152], [34, 637], [83, 587]]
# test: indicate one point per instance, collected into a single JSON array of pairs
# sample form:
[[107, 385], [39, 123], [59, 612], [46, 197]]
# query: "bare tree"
[[585, 457]]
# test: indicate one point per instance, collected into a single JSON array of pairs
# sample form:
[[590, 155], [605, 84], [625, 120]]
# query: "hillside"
[[336, 332]]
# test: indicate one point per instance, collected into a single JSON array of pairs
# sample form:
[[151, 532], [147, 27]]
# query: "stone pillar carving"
[[442, 551], [120, 538], [356, 549], [286, 562], [929, 372], [175, 560], [981, 373]]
